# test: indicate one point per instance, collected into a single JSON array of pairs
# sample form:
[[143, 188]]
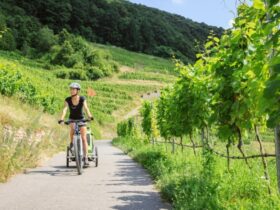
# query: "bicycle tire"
[[77, 155], [96, 156], [81, 161], [67, 157]]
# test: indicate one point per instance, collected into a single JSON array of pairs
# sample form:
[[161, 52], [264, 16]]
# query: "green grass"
[[147, 76], [139, 61]]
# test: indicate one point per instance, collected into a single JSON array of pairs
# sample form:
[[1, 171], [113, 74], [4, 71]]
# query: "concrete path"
[[117, 183]]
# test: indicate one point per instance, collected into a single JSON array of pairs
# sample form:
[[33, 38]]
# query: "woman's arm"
[[64, 112], [87, 109]]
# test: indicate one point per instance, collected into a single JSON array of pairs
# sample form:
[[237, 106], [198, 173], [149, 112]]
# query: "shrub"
[[7, 42], [64, 55], [45, 39], [75, 52], [72, 74], [94, 73], [127, 128]]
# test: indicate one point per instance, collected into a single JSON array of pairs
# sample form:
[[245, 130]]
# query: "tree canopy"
[[121, 23]]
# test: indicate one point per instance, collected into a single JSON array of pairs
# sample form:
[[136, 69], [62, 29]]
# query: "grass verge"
[[203, 181], [27, 136]]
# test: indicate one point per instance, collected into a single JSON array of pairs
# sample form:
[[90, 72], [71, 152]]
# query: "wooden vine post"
[[277, 128], [173, 145], [277, 153], [266, 173]]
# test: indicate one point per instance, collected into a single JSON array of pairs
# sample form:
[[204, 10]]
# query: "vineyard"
[[32, 82], [210, 139]]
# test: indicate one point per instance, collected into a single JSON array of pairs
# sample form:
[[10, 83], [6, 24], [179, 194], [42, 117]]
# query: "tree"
[[7, 41], [45, 39]]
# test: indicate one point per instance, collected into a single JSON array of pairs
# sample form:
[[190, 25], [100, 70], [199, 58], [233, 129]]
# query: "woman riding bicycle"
[[76, 104]]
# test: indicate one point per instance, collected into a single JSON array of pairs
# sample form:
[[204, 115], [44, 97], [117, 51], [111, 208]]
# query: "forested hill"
[[118, 22]]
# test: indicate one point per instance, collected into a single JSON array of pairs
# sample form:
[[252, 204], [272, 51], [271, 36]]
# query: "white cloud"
[[178, 1]]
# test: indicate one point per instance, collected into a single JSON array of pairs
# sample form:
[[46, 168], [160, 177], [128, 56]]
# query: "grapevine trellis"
[[209, 148]]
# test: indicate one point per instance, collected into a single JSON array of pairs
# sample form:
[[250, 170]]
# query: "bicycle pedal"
[[86, 166]]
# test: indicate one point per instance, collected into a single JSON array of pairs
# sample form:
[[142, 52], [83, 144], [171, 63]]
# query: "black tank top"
[[76, 112]]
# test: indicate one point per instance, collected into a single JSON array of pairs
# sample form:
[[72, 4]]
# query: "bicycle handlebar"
[[76, 121]]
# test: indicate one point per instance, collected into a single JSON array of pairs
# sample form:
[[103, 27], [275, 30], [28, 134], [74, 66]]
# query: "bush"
[[163, 51], [72, 74], [2, 23], [64, 55], [45, 39], [94, 73], [7, 42], [127, 128], [146, 113], [75, 52]]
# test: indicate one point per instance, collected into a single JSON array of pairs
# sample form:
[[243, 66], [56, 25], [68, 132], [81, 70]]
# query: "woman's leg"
[[72, 131], [84, 138]]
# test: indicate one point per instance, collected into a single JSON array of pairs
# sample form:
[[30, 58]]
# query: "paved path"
[[117, 183]]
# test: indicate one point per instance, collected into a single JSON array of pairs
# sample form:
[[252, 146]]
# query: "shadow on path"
[[55, 171], [131, 174]]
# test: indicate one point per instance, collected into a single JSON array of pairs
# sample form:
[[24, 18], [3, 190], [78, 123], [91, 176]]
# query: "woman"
[[76, 104]]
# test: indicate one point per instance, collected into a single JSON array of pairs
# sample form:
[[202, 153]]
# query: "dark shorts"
[[81, 124]]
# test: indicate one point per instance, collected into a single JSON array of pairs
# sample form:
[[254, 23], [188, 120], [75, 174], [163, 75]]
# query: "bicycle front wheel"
[[78, 154]]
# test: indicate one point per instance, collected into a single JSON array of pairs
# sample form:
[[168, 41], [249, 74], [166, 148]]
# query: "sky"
[[212, 12]]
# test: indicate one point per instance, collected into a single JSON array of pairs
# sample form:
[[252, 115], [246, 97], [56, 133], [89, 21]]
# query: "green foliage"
[[202, 182], [29, 81], [232, 88], [75, 52], [71, 74], [25, 29], [121, 23], [7, 41], [13, 83], [146, 113], [2, 23], [45, 39], [127, 128]]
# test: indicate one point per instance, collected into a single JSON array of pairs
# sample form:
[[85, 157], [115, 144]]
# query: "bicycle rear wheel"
[[96, 156], [67, 157]]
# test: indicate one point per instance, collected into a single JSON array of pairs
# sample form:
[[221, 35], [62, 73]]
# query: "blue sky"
[[212, 12]]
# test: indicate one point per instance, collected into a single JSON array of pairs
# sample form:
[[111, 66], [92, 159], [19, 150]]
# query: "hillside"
[[30, 82], [33, 88], [121, 23]]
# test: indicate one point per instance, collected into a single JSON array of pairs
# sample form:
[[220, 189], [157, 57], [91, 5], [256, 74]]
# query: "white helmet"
[[75, 85]]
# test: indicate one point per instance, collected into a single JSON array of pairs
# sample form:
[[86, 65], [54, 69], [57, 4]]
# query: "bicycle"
[[78, 156]]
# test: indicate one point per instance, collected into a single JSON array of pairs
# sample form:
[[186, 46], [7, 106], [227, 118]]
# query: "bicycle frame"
[[78, 145]]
